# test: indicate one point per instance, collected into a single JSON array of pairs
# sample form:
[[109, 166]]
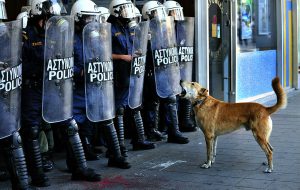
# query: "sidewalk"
[[171, 166]]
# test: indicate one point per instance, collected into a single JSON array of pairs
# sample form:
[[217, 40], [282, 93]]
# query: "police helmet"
[[3, 14], [154, 9], [85, 11], [174, 9], [138, 15], [122, 8], [24, 17], [104, 14], [46, 8]]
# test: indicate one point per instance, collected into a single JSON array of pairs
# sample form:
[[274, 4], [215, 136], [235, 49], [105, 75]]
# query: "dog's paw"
[[268, 170], [206, 166]]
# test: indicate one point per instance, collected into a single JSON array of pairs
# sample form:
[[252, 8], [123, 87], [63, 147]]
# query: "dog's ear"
[[203, 92]]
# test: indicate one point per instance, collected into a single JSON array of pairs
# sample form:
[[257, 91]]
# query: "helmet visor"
[[159, 13], [177, 13], [87, 18], [127, 10], [103, 17], [53, 7]]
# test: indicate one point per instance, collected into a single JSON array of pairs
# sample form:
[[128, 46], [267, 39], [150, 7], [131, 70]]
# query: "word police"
[[11, 79], [165, 56], [100, 71], [186, 54], [59, 69], [138, 65]]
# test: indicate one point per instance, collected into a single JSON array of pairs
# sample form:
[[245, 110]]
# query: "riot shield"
[[58, 69], [185, 43], [10, 77], [137, 73], [98, 72], [165, 57]]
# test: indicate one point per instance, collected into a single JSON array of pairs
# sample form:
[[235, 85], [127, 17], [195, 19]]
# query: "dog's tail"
[[281, 96]]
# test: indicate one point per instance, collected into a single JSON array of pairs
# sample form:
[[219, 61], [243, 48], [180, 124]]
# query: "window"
[[256, 23]]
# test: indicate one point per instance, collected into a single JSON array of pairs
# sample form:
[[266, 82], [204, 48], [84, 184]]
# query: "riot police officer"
[[123, 22], [34, 98], [185, 41], [10, 91], [162, 72], [93, 98]]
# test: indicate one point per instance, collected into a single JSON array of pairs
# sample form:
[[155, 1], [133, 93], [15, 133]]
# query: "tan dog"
[[216, 118]]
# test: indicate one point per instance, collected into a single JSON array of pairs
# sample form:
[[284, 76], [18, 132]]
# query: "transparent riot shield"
[[137, 73], [165, 57], [58, 69], [98, 72], [10, 77], [185, 43]]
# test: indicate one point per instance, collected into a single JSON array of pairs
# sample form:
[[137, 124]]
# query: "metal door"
[[219, 49]]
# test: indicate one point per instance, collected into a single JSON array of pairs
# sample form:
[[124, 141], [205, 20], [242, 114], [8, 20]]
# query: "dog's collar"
[[199, 102]]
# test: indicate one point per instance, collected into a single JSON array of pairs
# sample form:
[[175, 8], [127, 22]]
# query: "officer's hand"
[[127, 58]]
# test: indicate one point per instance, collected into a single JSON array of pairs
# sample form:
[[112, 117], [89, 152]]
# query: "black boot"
[[47, 161], [153, 121], [120, 131], [115, 158], [33, 157], [186, 122], [15, 162], [174, 135], [77, 163], [139, 142], [88, 149]]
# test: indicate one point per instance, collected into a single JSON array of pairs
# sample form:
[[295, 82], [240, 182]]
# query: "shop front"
[[246, 48]]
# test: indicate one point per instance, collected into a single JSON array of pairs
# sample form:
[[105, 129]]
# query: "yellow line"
[[290, 49], [284, 43]]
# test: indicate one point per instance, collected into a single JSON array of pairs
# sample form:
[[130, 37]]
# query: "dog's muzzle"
[[183, 92]]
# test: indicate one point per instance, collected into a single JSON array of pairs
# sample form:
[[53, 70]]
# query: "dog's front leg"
[[214, 150], [209, 151]]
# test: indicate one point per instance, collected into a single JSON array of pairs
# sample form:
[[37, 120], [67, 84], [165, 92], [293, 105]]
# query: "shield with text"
[[58, 69], [165, 57], [137, 73], [10, 77], [98, 72]]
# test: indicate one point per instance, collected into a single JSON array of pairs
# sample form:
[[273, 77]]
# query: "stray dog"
[[215, 118]]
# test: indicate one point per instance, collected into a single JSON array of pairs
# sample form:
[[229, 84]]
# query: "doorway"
[[219, 48]]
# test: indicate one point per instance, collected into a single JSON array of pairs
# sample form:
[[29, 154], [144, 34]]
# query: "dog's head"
[[193, 91]]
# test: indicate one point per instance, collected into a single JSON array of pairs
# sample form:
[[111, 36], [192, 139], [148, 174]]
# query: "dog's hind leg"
[[209, 151], [262, 139], [214, 150]]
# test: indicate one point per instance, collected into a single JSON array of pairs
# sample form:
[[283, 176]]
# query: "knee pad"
[[171, 100], [107, 122], [120, 111], [16, 140], [30, 132], [72, 128]]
